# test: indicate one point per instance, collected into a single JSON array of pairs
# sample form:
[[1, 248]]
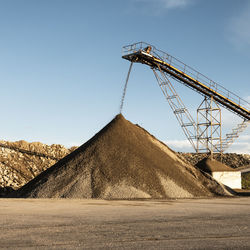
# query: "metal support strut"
[[183, 116], [209, 127]]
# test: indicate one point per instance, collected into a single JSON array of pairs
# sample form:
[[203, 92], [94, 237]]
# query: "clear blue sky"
[[62, 74]]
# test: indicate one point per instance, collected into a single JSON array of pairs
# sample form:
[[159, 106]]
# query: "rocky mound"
[[232, 160], [122, 161], [21, 161]]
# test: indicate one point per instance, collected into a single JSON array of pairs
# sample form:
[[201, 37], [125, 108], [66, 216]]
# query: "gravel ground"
[[151, 224]]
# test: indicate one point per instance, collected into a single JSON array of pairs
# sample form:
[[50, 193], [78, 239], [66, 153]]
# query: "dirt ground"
[[150, 224]]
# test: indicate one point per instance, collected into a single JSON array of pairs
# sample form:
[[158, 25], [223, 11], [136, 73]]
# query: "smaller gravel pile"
[[230, 159], [210, 165]]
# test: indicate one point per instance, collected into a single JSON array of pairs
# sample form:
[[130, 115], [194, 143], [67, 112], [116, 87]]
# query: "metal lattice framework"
[[231, 137], [181, 112], [205, 135], [209, 126]]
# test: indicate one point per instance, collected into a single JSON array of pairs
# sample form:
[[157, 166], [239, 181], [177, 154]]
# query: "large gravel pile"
[[122, 161]]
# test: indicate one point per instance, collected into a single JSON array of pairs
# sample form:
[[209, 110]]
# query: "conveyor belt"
[[139, 52]]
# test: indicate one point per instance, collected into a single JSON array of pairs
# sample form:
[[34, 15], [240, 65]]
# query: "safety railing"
[[185, 69]]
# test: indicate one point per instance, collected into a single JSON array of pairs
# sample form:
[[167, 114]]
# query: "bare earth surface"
[[152, 224]]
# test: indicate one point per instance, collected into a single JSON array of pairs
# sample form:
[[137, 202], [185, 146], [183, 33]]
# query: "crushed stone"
[[122, 161]]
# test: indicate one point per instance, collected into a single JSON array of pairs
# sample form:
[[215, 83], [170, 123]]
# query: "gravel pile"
[[210, 165], [230, 159], [122, 161], [21, 161]]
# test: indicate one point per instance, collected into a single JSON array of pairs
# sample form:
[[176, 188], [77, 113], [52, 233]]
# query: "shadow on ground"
[[5, 191], [242, 192]]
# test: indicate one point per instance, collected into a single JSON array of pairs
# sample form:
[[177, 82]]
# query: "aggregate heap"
[[21, 161], [122, 161]]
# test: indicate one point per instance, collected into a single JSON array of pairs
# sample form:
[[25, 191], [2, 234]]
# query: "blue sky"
[[62, 74]]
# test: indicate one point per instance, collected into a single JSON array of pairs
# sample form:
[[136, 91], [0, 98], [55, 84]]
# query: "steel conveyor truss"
[[169, 66]]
